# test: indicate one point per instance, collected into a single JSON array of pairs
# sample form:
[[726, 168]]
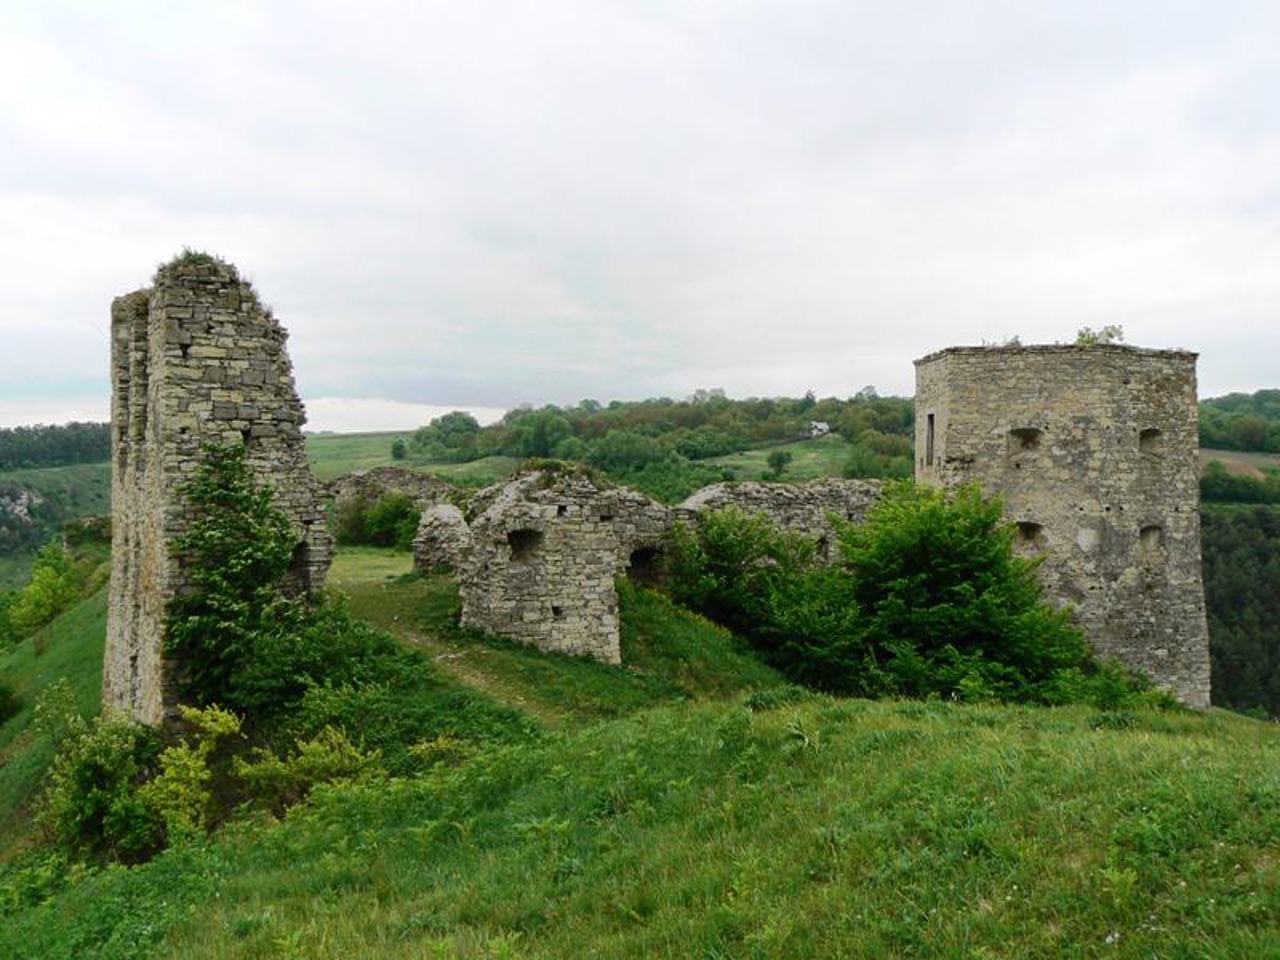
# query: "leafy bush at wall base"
[[92, 808], [929, 599]]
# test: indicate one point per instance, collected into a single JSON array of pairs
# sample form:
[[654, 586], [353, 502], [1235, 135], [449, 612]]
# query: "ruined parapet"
[[195, 359], [1094, 451], [804, 508], [443, 539], [545, 548], [371, 484]]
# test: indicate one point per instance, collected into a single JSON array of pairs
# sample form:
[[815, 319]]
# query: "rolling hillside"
[[665, 814]]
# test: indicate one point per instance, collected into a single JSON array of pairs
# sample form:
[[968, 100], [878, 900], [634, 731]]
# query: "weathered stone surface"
[[443, 539], [538, 562], [545, 548], [372, 484], [173, 390], [1094, 451], [805, 508]]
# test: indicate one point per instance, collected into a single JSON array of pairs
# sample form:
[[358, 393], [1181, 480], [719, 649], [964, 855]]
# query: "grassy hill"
[[691, 805], [79, 490]]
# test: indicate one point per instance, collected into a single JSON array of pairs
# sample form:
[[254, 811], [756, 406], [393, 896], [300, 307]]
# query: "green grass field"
[[821, 457], [689, 804], [332, 455]]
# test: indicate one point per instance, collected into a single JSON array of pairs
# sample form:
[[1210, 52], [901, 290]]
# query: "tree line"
[[1242, 421], [54, 446]]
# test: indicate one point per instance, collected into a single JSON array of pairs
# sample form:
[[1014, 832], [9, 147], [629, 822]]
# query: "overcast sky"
[[479, 204]]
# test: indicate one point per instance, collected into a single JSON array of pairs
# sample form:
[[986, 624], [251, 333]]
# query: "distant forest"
[[54, 446], [658, 445], [1242, 421]]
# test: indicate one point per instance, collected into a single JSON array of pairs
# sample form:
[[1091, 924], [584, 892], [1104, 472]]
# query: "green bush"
[[929, 599], [235, 553], [91, 807], [389, 521], [52, 588], [329, 756]]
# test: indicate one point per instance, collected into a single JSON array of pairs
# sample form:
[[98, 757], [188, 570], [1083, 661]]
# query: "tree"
[[778, 461], [399, 449], [235, 554]]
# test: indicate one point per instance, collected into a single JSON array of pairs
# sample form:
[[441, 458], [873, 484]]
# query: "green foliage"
[[399, 449], [389, 521], [448, 439], [1242, 421], [1110, 334], [10, 703], [54, 446], [1217, 485], [91, 807], [804, 828], [53, 587], [181, 793], [1241, 548], [778, 461], [329, 756], [190, 257], [930, 600], [235, 552]]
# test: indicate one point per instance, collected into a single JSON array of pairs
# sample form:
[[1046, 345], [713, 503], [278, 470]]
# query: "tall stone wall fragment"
[[1094, 451], [195, 359]]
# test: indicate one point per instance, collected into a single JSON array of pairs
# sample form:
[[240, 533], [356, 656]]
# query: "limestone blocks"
[[194, 359], [1094, 452]]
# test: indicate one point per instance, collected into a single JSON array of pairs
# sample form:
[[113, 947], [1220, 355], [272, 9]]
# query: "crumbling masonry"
[[538, 560], [1094, 451], [196, 358]]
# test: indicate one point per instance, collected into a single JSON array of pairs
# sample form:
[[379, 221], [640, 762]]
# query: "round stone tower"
[[1094, 450]]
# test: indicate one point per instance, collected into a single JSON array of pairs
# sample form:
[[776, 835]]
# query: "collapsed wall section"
[[537, 561], [544, 550], [195, 359], [1094, 452]]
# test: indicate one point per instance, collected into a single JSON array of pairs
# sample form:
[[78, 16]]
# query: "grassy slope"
[[820, 828], [70, 647], [1245, 464], [670, 654], [664, 820], [80, 490], [821, 457], [332, 455]]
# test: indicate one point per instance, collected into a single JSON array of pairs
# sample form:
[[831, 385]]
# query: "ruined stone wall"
[[803, 508], [545, 548], [1094, 450], [371, 484], [196, 358], [443, 539], [538, 560]]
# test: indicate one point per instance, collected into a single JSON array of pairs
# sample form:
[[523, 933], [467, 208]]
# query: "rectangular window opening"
[[928, 442]]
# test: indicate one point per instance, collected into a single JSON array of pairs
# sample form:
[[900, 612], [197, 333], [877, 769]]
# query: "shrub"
[[10, 703], [235, 553], [930, 599], [52, 588], [389, 521], [91, 807], [181, 793], [281, 783]]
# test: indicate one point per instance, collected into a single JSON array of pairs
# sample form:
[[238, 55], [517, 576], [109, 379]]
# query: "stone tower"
[[196, 358], [1094, 451]]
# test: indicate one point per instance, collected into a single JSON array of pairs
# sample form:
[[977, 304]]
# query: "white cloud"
[[488, 204]]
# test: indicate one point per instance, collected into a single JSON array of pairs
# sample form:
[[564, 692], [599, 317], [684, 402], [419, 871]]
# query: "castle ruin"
[[1094, 452], [195, 358], [537, 562]]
